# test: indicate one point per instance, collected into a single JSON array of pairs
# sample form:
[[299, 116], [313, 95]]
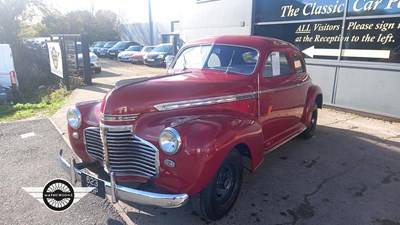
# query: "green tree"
[[103, 25], [16, 13]]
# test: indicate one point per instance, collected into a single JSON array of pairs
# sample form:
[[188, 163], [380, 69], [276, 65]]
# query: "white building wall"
[[218, 17]]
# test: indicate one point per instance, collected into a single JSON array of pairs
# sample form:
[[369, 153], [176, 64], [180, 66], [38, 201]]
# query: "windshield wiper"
[[230, 62]]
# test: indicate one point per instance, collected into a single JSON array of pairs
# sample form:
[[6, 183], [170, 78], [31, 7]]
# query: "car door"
[[278, 95]]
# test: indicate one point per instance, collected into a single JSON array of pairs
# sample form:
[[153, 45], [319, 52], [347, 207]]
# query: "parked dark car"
[[103, 52], [157, 56], [97, 46], [120, 47], [3, 95]]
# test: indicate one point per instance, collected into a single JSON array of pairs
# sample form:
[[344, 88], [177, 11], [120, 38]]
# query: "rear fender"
[[314, 95]]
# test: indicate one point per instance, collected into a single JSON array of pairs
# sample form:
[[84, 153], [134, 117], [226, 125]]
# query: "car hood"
[[116, 49], [155, 54], [142, 94], [127, 53]]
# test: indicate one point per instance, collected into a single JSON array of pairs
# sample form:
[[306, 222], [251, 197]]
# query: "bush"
[[33, 71]]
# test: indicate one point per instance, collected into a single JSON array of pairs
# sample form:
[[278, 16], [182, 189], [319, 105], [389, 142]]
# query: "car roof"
[[243, 40]]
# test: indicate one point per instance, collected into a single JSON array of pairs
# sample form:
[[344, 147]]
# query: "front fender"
[[206, 140], [90, 118]]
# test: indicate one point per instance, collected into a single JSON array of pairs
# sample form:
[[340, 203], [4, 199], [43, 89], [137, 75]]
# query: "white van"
[[8, 76]]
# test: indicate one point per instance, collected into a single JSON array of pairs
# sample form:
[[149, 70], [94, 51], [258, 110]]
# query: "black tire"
[[97, 70], [212, 203], [310, 131]]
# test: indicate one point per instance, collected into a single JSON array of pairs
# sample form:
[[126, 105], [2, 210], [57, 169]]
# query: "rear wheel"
[[310, 131], [220, 194]]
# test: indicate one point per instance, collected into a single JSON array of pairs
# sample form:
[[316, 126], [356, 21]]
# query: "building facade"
[[352, 47]]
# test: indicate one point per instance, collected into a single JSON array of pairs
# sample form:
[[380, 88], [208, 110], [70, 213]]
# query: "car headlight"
[[170, 141], [74, 117], [160, 56]]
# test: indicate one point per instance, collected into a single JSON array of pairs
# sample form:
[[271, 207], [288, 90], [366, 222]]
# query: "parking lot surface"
[[349, 173], [28, 150]]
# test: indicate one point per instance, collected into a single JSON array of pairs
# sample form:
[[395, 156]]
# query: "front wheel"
[[220, 194], [310, 131]]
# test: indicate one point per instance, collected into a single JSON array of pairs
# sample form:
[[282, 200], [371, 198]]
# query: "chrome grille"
[[93, 143], [127, 154]]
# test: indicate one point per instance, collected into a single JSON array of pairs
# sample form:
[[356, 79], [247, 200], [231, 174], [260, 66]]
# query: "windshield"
[[121, 44], [227, 58], [162, 48], [147, 49], [109, 44], [134, 48], [99, 44]]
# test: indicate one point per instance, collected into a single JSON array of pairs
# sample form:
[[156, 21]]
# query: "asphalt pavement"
[[349, 173], [28, 159]]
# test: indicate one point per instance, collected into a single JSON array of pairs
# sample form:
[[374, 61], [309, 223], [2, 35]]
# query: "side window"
[[277, 64], [298, 65]]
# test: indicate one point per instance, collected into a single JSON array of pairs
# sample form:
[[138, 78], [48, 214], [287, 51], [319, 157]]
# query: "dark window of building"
[[365, 31], [284, 10], [366, 8]]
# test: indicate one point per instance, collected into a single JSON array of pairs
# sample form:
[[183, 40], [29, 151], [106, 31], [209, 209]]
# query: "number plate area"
[[89, 181]]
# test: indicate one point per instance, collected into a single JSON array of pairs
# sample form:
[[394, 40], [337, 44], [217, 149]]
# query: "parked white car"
[[8, 76], [94, 60]]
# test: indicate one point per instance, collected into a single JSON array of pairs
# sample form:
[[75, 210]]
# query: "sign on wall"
[[369, 30], [56, 64]]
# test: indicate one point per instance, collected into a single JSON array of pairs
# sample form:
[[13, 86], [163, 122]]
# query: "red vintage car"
[[186, 133]]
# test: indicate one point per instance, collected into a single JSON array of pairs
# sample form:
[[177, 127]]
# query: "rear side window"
[[277, 64], [298, 64]]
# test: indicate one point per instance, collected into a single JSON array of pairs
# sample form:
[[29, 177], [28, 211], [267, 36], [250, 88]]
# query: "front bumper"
[[119, 192], [123, 58], [154, 62]]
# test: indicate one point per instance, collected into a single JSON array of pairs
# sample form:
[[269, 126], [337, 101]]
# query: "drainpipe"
[[150, 24]]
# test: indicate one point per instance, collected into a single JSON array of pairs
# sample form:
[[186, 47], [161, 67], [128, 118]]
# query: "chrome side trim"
[[284, 142], [118, 118], [119, 192], [284, 88], [204, 101]]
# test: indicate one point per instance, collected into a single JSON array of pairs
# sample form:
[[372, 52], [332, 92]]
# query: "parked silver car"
[[124, 55]]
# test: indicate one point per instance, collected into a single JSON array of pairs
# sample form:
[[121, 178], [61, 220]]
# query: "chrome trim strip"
[[119, 192], [111, 142], [118, 118], [284, 142], [103, 134], [284, 88], [204, 101]]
